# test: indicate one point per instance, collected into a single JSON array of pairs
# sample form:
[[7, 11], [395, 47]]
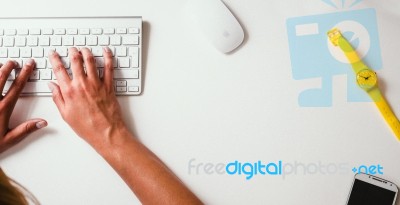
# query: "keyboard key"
[[48, 31], [34, 75], [121, 89], [133, 89], [8, 41], [19, 64], [55, 40], [32, 40], [23, 32], [46, 50], [36, 87], [121, 30], [133, 30], [99, 62], [91, 40], [1, 32], [130, 40], [35, 31], [40, 63], [115, 40], [84, 31], [44, 41], [45, 74], [68, 40], [26, 52], [10, 32], [123, 62], [20, 41], [48, 64], [121, 83], [12, 75], [126, 74], [1, 41], [120, 51], [112, 48], [97, 51], [37, 52], [62, 51], [134, 53], [13, 52], [109, 31], [96, 31], [104, 40], [80, 40], [59, 31], [3, 53], [72, 31], [65, 62]]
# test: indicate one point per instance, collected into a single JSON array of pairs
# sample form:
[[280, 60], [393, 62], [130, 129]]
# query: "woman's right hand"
[[86, 102]]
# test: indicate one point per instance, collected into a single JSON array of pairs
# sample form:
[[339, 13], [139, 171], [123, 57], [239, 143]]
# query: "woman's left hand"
[[10, 137]]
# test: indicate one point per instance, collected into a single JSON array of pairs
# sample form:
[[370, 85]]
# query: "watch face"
[[367, 79]]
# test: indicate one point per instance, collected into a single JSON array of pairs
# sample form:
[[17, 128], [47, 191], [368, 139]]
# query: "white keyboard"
[[32, 38]]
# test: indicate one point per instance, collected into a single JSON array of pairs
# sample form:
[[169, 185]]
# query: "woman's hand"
[[86, 102], [10, 137]]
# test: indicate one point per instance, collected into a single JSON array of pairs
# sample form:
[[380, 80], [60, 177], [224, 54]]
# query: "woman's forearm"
[[149, 178]]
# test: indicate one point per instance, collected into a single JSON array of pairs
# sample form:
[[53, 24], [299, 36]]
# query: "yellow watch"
[[366, 79]]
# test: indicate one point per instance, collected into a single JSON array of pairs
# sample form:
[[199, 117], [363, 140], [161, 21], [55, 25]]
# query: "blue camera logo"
[[313, 56]]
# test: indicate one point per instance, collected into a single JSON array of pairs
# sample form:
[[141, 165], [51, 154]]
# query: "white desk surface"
[[198, 103]]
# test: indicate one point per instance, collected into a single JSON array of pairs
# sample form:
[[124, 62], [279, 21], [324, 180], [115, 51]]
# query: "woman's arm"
[[89, 105]]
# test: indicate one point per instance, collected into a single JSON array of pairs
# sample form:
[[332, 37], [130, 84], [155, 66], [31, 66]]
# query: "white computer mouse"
[[216, 22]]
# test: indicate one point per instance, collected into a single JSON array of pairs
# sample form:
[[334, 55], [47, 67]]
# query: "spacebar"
[[36, 87]]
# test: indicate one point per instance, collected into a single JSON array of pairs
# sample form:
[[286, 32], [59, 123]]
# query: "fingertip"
[[107, 50], [52, 86], [29, 63], [41, 124]]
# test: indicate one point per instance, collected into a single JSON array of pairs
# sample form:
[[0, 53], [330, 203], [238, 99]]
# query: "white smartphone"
[[372, 190]]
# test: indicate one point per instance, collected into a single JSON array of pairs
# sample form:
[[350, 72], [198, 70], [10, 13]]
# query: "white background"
[[198, 103]]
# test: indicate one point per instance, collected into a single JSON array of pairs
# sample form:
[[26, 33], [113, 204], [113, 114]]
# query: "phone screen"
[[364, 193]]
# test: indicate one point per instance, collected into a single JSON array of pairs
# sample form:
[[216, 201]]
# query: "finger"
[[90, 63], [59, 69], [16, 135], [108, 69], [76, 63], [19, 83], [5, 71], [57, 95]]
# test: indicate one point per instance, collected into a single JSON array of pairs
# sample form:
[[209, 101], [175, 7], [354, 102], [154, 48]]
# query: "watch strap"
[[385, 110], [337, 39]]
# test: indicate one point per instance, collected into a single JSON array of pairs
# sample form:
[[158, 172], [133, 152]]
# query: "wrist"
[[116, 136]]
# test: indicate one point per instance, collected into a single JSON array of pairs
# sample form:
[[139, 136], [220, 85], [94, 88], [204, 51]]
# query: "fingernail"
[[41, 124], [51, 86], [15, 62], [107, 49], [29, 62]]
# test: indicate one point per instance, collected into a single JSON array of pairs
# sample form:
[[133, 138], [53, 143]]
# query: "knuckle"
[[89, 58], [59, 67], [76, 57]]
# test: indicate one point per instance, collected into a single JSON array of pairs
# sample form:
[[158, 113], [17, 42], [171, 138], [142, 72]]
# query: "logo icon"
[[314, 57]]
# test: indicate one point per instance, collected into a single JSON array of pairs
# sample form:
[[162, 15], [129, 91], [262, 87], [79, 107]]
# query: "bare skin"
[[10, 137], [89, 97], [104, 129]]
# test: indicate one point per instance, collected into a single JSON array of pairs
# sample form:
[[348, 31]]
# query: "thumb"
[[57, 95], [17, 134]]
